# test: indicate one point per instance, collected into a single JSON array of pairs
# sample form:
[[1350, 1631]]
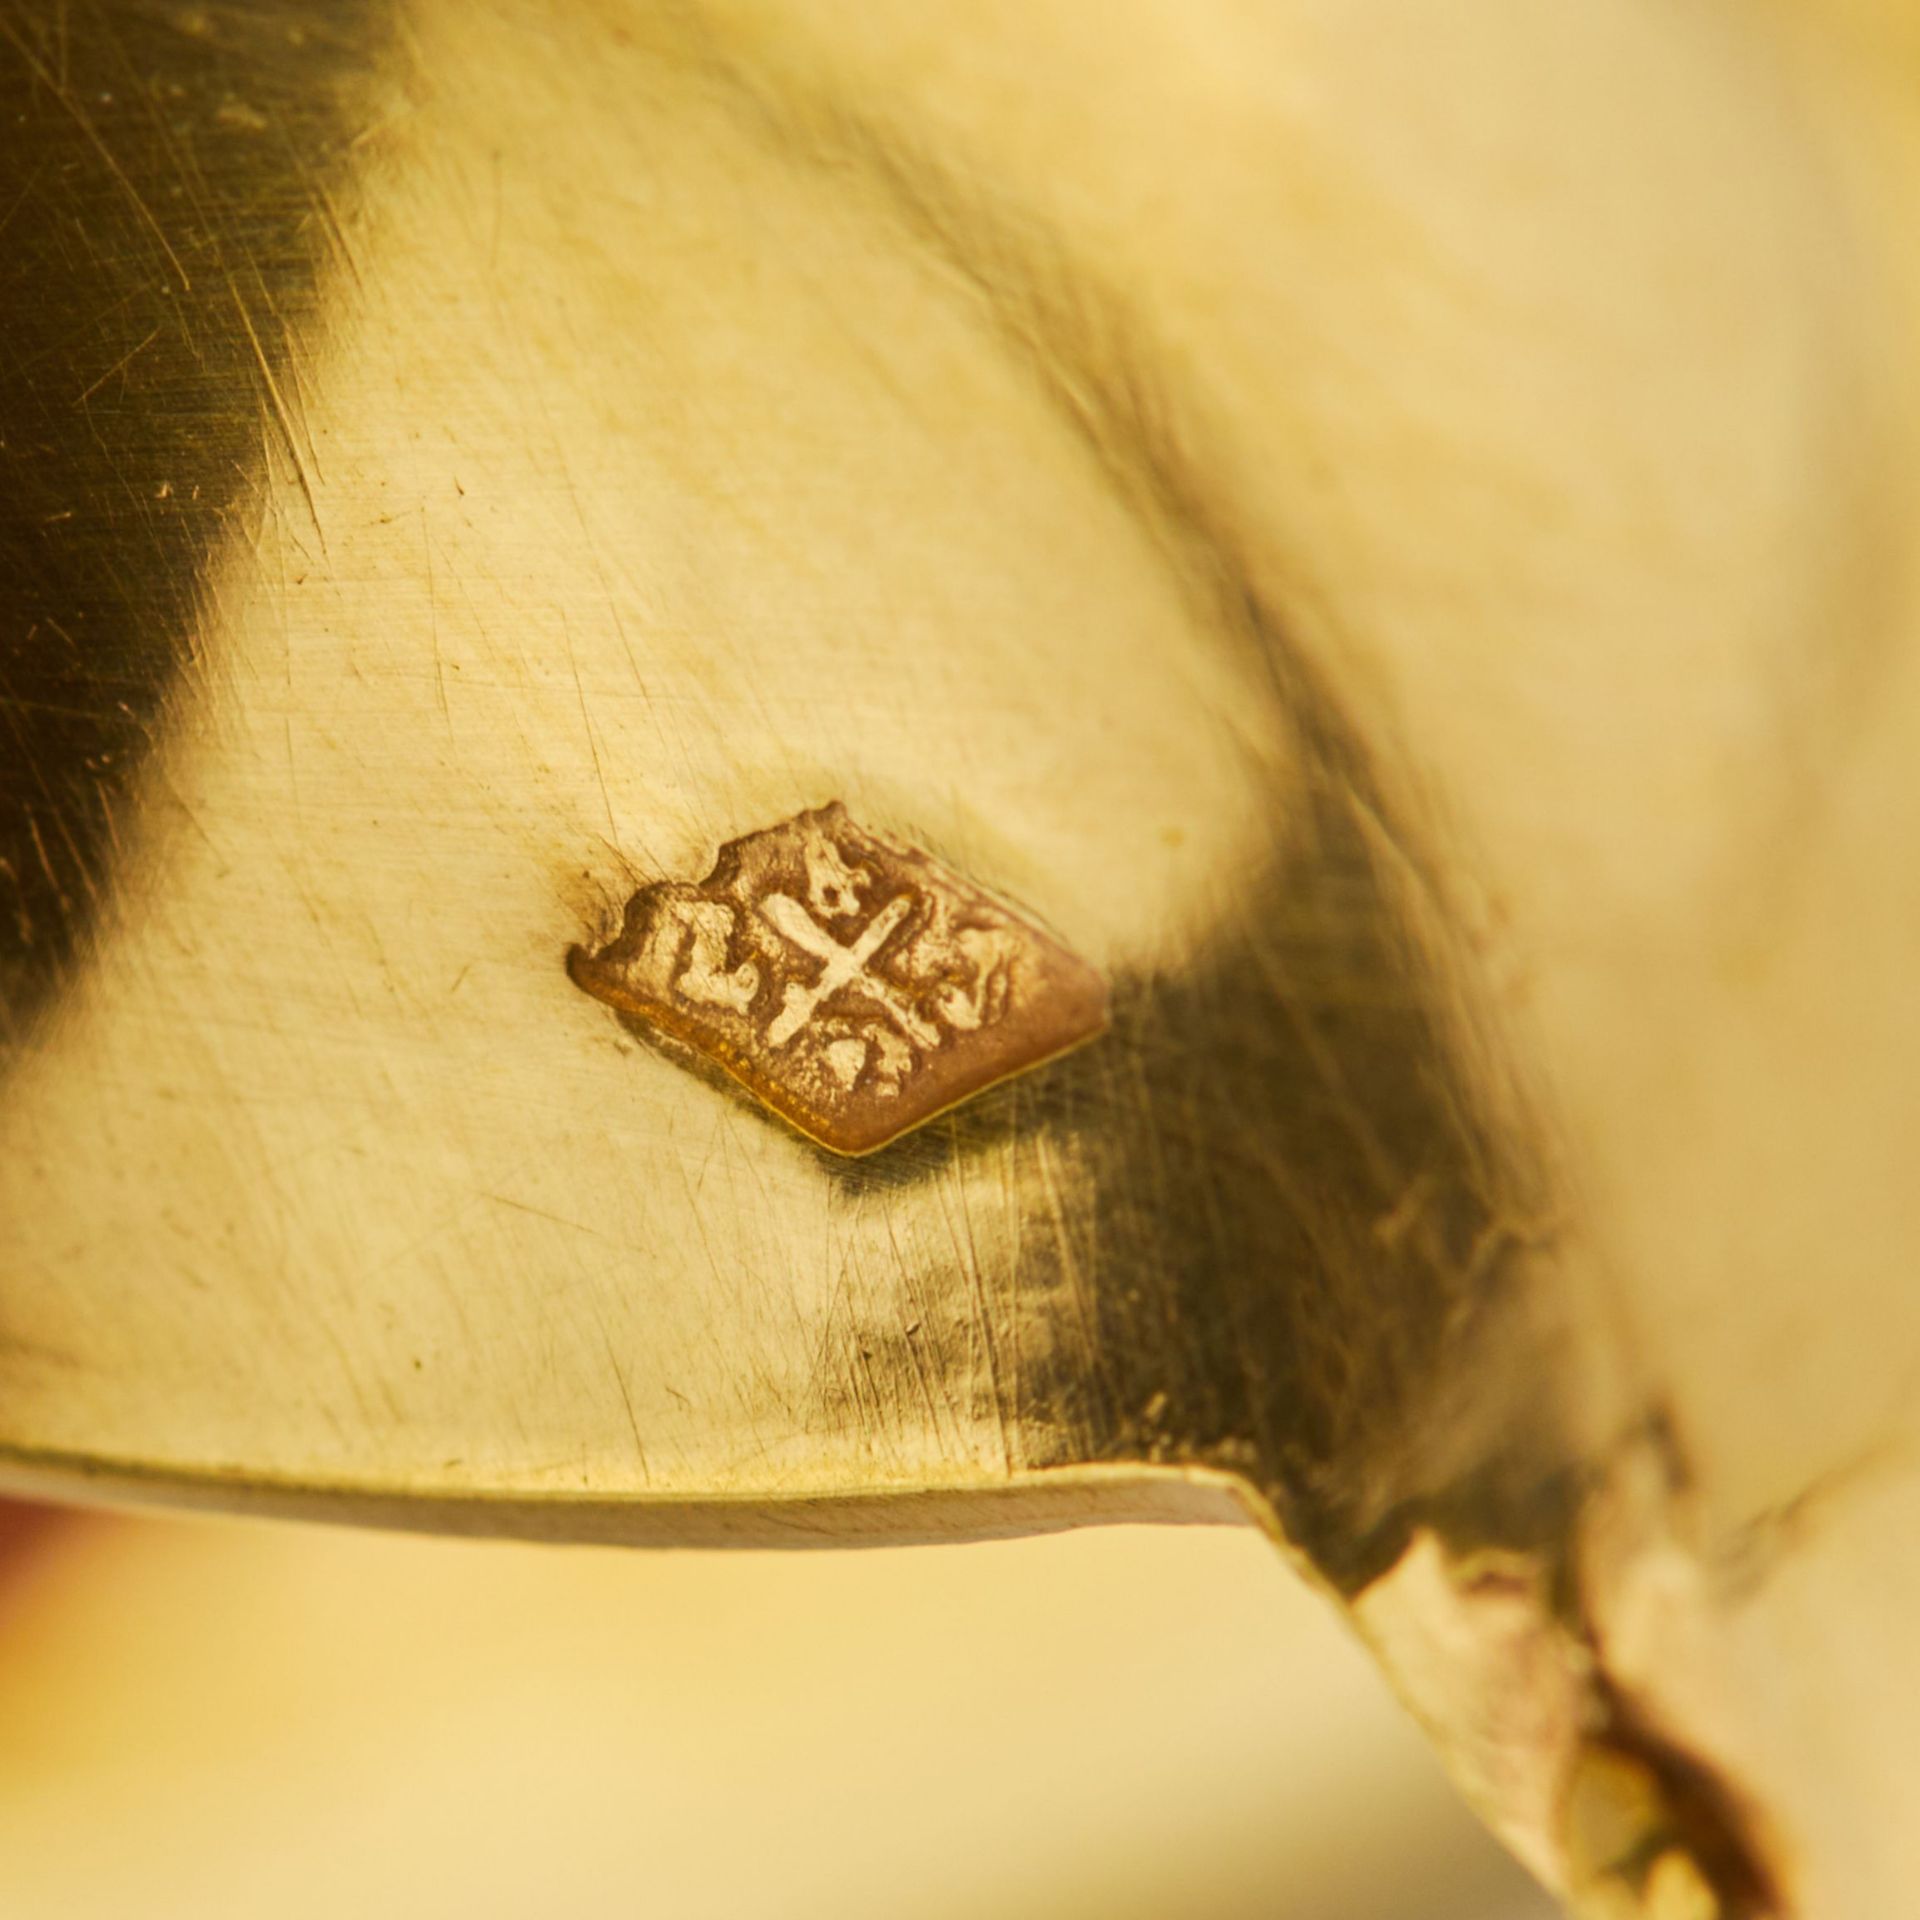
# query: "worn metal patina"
[[1410, 587]]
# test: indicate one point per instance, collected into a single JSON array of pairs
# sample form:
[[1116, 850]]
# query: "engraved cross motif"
[[843, 967], [853, 1032]]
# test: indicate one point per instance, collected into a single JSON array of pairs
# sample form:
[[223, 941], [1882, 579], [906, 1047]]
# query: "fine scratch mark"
[[57, 86], [281, 416], [493, 236], [46, 860], [119, 366], [967, 1257], [1085, 1305], [626, 1400], [593, 745], [543, 1213], [433, 621], [336, 231], [20, 198]]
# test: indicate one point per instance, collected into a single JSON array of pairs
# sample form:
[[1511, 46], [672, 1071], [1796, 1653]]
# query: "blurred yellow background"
[[218, 1718]]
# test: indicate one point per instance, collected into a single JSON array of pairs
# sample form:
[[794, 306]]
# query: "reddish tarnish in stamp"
[[854, 985]]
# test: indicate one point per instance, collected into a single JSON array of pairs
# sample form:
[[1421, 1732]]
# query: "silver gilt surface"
[[1381, 528]]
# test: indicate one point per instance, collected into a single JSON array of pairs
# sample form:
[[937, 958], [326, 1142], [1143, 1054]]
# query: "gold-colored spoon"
[[1374, 538]]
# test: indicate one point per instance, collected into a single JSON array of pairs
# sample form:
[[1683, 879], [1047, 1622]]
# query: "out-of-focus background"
[[210, 1718]]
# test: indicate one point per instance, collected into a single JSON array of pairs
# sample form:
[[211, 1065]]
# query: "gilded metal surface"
[[1412, 587], [857, 987]]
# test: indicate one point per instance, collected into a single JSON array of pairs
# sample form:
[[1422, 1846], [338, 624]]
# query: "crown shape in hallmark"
[[854, 985]]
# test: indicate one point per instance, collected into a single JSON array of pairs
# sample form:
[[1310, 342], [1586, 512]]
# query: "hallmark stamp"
[[853, 984]]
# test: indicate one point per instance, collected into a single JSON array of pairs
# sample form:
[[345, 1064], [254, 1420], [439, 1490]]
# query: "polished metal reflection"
[[463, 463], [418, 644]]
